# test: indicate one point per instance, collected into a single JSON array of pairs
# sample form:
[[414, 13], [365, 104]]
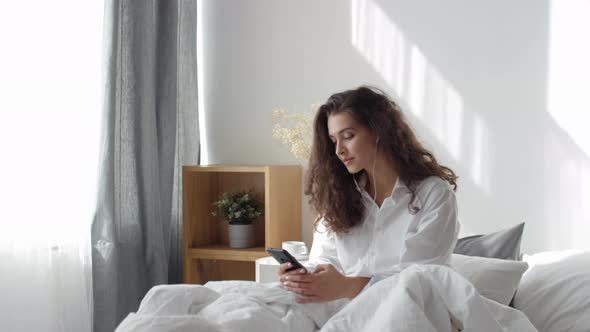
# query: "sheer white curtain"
[[50, 111]]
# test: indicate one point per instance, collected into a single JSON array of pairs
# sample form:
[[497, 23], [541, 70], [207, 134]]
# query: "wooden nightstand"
[[206, 253]]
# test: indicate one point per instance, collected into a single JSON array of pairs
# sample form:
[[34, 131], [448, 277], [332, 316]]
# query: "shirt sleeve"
[[432, 238], [323, 249]]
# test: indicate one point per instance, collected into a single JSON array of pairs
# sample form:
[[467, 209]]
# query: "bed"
[[505, 291]]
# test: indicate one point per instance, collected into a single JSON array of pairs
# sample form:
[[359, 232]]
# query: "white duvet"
[[420, 298]]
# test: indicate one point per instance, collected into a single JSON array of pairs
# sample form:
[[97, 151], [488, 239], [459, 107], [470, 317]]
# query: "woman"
[[384, 200]]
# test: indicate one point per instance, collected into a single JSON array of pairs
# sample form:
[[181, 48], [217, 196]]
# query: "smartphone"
[[283, 256]]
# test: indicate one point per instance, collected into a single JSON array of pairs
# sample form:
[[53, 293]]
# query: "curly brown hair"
[[331, 189]]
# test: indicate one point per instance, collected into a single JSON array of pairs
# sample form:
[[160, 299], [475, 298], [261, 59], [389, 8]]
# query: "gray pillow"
[[504, 244]]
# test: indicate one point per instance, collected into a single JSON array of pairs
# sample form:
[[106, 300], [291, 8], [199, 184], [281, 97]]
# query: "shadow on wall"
[[503, 109]]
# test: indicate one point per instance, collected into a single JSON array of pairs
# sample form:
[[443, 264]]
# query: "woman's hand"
[[282, 271], [324, 284]]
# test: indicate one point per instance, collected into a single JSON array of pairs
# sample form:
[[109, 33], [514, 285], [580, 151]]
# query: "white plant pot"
[[241, 236]]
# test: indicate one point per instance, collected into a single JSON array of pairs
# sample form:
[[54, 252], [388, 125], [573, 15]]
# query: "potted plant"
[[239, 209]]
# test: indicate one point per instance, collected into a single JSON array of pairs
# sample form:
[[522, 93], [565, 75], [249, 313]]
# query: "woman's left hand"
[[324, 284]]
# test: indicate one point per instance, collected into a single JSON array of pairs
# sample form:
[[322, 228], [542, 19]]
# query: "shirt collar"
[[361, 183]]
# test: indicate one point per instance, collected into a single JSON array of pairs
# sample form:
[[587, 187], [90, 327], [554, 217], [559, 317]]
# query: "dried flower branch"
[[295, 130]]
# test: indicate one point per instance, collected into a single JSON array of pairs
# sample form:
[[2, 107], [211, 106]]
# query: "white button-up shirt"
[[390, 238]]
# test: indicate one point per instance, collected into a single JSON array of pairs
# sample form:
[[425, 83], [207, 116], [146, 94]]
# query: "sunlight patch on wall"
[[479, 168], [417, 83], [370, 27], [568, 182], [568, 104], [430, 97], [569, 69]]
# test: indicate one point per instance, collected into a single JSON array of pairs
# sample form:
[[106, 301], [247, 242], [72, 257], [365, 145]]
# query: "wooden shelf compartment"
[[205, 237], [214, 269], [226, 253]]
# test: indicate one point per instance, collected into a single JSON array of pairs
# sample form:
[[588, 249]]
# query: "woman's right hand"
[[282, 271]]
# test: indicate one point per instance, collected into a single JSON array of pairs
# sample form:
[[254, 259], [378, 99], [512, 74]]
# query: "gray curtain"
[[150, 130]]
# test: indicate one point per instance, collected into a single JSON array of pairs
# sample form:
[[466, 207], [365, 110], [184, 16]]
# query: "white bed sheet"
[[421, 298]]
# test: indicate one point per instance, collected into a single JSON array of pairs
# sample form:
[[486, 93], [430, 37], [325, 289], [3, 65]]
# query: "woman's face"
[[354, 143]]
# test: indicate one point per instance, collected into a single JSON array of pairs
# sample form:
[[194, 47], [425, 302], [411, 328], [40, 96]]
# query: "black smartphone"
[[283, 256]]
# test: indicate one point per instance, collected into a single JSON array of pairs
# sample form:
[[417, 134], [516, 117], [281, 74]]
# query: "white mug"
[[296, 248]]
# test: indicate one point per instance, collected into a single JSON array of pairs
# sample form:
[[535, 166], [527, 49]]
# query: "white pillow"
[[496, 279], [555, 292]]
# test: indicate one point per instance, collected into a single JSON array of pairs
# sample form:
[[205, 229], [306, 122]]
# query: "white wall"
[[494, 89]]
